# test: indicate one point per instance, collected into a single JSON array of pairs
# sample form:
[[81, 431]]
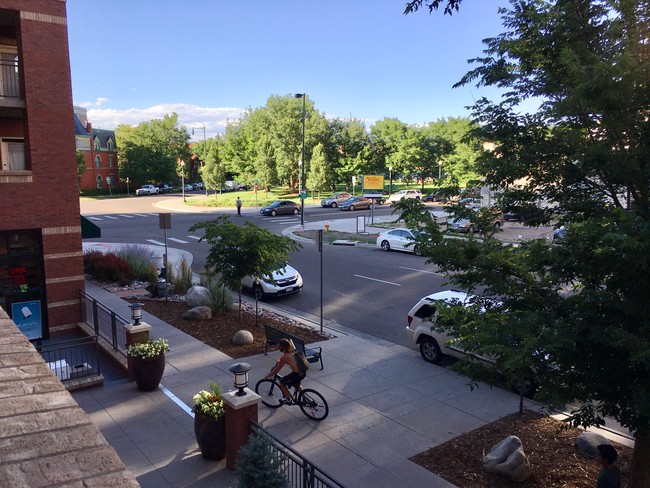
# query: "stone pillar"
[[135, 334], [240, 411]]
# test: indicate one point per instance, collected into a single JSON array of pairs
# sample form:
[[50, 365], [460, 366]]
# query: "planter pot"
[[147, 372], [210, 435]]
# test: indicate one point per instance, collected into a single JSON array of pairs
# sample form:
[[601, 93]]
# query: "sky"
[[209, 60]]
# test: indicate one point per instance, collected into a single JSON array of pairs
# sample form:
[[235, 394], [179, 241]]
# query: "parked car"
[[189, 187], [471, 202], [281, 207], [147, 190], [513, 215], [164, 189], [559, 235], [335, 200], [243, 187], [399, 239], [396, 197], [466, 225], [355, 203], [198, 186], [230, 185], [287, 280]]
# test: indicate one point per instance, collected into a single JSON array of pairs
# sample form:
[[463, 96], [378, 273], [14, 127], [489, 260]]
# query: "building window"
[[99, 181], [12, 153], [110, 161], [111, 146], [98, 162], [97, 144]]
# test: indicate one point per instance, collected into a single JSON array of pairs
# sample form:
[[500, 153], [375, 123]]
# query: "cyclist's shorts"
[[293, 379]]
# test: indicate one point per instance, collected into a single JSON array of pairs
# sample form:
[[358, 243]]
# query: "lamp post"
[[302, 163], [205, 156], [439, 170], [183, 178]]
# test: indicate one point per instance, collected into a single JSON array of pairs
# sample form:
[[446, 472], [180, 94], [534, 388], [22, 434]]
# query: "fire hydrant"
[[327, 227]]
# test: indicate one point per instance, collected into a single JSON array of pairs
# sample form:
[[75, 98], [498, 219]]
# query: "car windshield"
[[275, 204]]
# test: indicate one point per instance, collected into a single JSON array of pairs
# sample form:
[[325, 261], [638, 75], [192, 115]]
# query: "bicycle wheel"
[[313, 404], [270, 392]]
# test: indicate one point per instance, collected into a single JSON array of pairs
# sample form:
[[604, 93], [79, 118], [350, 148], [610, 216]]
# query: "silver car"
[[335, 200]]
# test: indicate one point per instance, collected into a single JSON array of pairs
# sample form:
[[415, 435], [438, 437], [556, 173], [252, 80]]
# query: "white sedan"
[[399, 239]]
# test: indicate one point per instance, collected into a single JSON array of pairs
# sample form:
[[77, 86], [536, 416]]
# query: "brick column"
[[240, 410], [135, 334]]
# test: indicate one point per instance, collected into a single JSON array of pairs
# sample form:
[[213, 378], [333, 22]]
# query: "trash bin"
[[162, 288]]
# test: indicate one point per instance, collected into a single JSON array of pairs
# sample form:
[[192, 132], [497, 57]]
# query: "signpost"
[[165, 222], [372, 186]]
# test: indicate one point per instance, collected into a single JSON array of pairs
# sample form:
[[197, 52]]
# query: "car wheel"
[[351, 208], [258, 293], [296, 211], [273, 213], [417, 198], [430, 350], [385, 246], [334, 205], [416, 251], [471, 229], [497, 225]]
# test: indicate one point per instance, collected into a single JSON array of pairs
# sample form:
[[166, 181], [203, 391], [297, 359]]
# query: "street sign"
[[164, 221], [303, 195]]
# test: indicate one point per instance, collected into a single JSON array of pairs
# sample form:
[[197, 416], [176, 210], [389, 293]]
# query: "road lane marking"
[[127, 216], [94, 218], [421, 270], [110, 217], [375, 279], [194, 237], [143, 215], [158, 243], [178, 240]]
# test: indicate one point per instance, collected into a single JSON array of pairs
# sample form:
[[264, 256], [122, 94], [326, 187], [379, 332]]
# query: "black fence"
[[71, 359], [299, 472], [106, 323], [10, 82]]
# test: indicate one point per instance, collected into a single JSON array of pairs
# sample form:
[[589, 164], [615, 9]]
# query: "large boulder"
[[198, 313], [586, 443], [197, 296], [242, 337], [507, 458]]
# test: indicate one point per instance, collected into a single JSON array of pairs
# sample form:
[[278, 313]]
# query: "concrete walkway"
[[386, 405]]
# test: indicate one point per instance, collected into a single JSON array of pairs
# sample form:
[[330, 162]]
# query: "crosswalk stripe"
[[177, 240], [94, 218], [127, 216], [110, 217], [194, 237], [143, 215], [158, 243]]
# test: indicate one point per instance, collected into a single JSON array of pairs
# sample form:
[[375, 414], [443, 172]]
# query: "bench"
[[273, 336]]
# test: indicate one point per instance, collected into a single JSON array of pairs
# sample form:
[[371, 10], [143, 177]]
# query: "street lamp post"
[[439, 170], [302, 163], [183, 178], [205, 157]]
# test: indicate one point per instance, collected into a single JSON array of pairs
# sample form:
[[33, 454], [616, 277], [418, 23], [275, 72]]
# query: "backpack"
[[301, 361]]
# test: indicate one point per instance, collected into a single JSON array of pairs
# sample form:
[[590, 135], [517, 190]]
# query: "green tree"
[[149, 151], [81, 167], [459, 163], [581, 161], [317, 179], [237, 251]]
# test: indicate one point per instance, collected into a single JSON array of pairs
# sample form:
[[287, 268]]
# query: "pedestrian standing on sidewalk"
[[238, 206], [609, 476]]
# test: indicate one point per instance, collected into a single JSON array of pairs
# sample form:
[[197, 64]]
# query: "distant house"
[[100, 153]]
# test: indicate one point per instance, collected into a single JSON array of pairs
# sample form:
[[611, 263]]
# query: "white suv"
[[396, 197], [422, 317], [287, 280], [147, 190]]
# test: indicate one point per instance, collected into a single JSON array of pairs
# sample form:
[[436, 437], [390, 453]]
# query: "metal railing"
[[299, 472], [106, 323], [9, 79], [72, 359]]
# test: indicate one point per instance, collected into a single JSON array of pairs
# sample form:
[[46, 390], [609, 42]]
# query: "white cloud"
[[190, 116]]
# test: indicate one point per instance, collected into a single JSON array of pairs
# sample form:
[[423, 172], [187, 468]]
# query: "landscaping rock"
[[587, 441], [198, 313], [242, 337], [508, 459], [197, 296]]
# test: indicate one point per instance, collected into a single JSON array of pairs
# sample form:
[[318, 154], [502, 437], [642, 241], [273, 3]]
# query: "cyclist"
[[290, 358]]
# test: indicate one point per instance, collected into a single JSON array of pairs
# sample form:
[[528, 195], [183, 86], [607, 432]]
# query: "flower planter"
[[147, 372], [210, 435]]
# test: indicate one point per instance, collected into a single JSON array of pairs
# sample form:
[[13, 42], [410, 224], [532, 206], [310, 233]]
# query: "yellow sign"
[[373, 182]]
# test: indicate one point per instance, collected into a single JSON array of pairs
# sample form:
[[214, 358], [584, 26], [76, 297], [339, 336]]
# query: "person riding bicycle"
[[291, 359]]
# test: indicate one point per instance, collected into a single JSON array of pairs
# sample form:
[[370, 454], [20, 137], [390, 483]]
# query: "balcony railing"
[[9, 79]]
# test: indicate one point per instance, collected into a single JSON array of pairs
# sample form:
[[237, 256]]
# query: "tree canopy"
[[581, 161]]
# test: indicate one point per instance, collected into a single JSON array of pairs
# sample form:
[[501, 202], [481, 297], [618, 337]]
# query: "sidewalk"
[[386, 405]]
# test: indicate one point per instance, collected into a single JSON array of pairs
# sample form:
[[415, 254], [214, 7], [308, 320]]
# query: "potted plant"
[[210, 422], [147, 362]]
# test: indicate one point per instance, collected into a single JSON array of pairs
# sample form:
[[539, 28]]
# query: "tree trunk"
[[640, 470]]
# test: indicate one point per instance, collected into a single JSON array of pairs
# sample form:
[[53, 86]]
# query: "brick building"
[[41, 262], [100, 153]]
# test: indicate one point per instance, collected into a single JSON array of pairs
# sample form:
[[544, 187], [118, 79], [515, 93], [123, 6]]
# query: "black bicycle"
[[312, 403]]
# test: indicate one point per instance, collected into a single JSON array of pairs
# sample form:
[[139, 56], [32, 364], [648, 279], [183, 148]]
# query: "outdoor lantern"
[[136, 312], [240, 372]]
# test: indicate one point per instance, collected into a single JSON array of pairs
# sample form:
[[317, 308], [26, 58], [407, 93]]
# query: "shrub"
[[108, 267], [141, 259], [222, 296], [258, 466], [182, 281]]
